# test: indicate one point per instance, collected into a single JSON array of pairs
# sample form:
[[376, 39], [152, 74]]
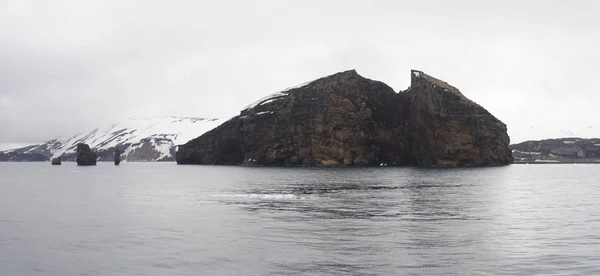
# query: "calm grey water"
[[164, 219]]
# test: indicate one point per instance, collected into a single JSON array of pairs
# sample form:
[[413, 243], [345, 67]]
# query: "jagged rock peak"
[[419, 78]]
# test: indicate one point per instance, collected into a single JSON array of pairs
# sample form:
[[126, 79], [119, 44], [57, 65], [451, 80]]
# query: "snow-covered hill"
[[138, 139]]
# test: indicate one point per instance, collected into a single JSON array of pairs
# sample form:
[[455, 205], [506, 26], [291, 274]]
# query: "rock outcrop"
[[117, 157], [564, 150], [56, 161], [85, 156], [346, 119], [446, 128]]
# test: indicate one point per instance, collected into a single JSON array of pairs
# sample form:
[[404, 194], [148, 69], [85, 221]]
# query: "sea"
[[168, 219]]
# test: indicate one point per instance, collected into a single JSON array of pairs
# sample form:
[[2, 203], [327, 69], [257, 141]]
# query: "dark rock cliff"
[[446, 128], [345, 119]]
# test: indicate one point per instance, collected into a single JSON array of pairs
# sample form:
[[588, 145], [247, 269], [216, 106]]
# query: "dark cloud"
[[68, 66]]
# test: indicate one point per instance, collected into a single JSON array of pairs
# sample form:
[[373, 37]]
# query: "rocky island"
[[346, 119]]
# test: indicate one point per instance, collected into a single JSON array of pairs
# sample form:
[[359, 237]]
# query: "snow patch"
[[164, 149], [569, 142], [297, 86], [264, 112], [417, 74], [275, 96], [271, 100], [546, 161], [164, 132], [272, 97]]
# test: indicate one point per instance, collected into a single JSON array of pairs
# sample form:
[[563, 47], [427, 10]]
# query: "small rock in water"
[[117, 157], [56, 161], [85, 156]]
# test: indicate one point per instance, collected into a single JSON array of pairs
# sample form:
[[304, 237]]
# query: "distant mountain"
[[138, 139], [564, 150]]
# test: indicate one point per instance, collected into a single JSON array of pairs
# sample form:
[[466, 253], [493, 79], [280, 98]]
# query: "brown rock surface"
[[345, 119], [446, 128]]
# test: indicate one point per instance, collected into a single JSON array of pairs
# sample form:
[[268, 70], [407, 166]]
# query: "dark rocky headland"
[[346, 119]]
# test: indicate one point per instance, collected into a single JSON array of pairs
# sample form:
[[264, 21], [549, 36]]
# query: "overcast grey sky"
[[69, 66]]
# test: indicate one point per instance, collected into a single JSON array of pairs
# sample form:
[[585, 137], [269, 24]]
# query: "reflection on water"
[[161, 219]]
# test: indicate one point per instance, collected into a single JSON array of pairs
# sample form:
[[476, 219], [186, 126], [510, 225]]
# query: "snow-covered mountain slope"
[[153, 139]]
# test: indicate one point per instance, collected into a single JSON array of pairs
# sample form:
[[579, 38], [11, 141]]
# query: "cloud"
[[69, 66]]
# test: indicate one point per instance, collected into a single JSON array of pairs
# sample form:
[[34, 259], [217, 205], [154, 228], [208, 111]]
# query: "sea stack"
[[117, 157], [56, 161], [346, 119], [85, 156]]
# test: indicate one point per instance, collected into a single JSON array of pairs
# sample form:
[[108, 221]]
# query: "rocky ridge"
[[346, 119]]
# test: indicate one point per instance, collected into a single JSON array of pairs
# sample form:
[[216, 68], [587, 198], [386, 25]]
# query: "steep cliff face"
[[346, 119], [446, 128]]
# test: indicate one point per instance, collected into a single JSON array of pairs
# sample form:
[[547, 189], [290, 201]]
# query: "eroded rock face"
[[345, 119], [446, 128], [85, 156]]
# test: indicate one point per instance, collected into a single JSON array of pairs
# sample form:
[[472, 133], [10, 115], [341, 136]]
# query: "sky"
[[70, 66]]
